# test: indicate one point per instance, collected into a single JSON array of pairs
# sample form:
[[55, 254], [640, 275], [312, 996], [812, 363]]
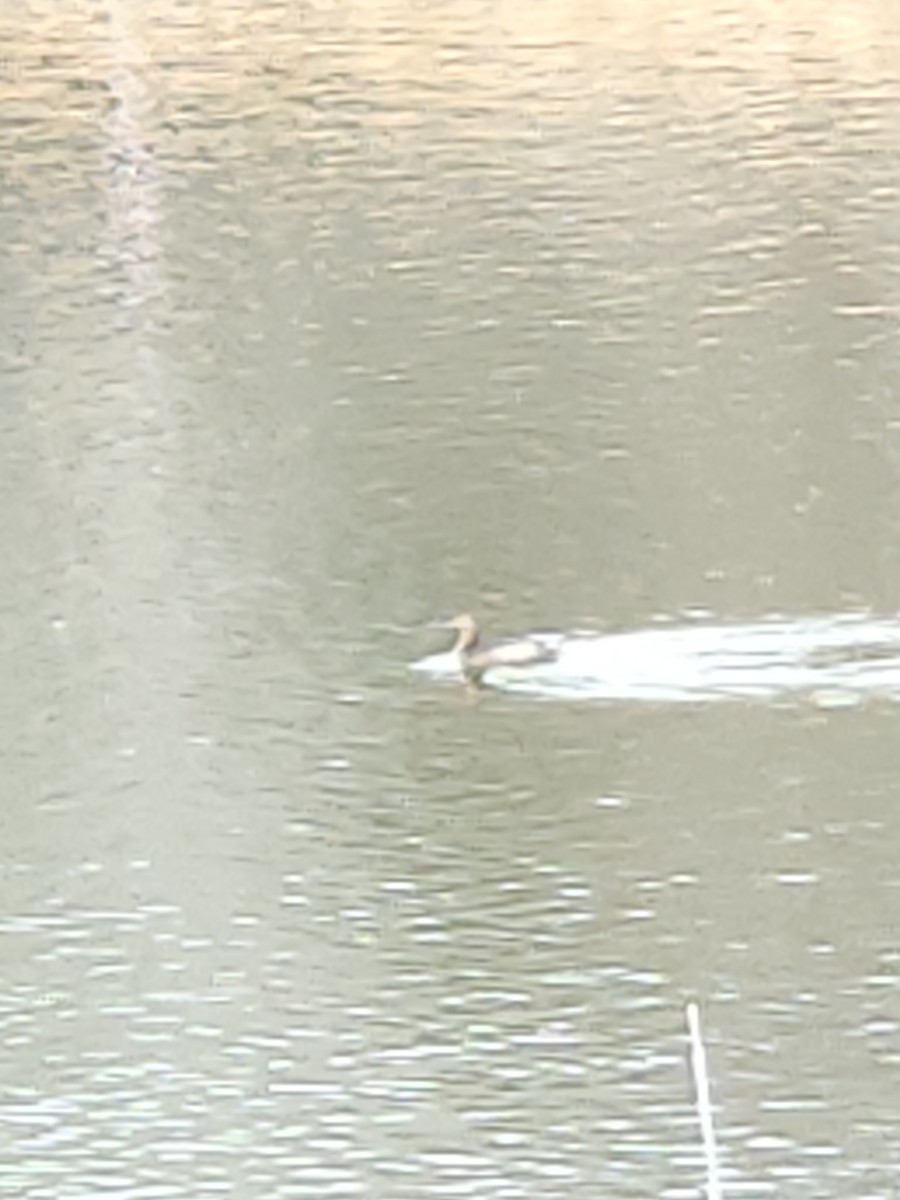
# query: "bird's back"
[[522, 653]]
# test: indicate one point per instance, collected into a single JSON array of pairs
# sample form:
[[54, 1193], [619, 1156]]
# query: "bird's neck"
[[467, 640]]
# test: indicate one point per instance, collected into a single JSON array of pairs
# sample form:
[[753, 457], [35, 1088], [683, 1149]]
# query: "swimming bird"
[[475, 660]]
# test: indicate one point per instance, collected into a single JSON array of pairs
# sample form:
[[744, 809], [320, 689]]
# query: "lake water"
[[320, 320]]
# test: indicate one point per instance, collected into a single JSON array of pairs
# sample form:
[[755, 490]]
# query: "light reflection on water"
[[834, 661], [318, 320]]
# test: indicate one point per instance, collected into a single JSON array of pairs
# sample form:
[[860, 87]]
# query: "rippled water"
[[318, 321]]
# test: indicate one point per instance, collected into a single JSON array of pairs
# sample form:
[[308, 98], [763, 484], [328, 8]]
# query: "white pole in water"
[[704, 1109]]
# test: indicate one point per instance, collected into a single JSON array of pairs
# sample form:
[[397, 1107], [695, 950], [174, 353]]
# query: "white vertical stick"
[[704, 1109]]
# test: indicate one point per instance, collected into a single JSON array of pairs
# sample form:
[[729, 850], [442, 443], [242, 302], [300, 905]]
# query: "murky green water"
[[318, 321]]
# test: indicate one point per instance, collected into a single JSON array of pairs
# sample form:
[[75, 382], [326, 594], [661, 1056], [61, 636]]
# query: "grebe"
[[520, 652]]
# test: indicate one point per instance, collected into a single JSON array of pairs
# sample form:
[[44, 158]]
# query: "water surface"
[[318, 321]]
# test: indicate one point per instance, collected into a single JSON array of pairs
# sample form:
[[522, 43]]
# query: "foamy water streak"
[[835, 657]]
